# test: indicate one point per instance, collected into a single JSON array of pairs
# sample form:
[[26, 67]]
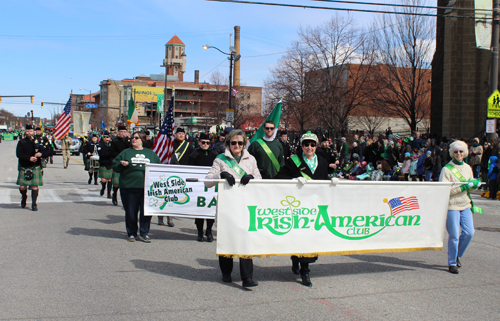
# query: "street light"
[[232, 57]]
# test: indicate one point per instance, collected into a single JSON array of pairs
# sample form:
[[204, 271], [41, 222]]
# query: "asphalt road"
[[71, 261]]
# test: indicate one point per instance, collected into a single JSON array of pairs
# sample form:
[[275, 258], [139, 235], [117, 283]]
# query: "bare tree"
[[405, 47], [216, 103], [369, 119]]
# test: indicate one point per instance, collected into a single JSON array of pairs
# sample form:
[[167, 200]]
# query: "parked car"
[[75, 145]]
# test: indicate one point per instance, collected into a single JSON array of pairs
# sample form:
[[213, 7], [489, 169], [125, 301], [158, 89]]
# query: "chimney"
[[236, 80], [196, 77]]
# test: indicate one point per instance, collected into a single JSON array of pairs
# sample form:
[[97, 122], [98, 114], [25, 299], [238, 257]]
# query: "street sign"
[[230, 116], [491, 126], [494, 105], [90, 105]]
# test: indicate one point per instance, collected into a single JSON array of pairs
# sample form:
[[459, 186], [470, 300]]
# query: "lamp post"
[[232, 57]]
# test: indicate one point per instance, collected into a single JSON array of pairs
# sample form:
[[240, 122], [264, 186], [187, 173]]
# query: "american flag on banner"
[[62, 126], [401, 204], [234, 92], [164, 142]]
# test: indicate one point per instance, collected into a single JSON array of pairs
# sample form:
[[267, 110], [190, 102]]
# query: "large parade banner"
[[275, 217], [166, 192]]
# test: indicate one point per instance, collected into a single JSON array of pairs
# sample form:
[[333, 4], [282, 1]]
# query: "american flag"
[[401, 204], [164, 142], [62, 126], [234, 92]]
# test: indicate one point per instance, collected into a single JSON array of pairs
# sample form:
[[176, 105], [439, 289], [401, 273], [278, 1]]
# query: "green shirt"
[[132, 176], [263, 160]]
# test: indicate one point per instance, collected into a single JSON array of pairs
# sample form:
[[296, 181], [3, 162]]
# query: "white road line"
[[89, 196], [9, 196], [5, 197], [49, 196]]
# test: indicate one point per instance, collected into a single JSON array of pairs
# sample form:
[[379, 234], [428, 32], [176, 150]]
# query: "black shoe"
[[95, 183], [226, 278], [102, 191], [90, 180], [23, 202], [453, 269], [109, 195], [459, 264], [210, 237], [200, 237], [34, 208], [295, 269], [306, 280], [115, 201], [170, 222], [248, 283]]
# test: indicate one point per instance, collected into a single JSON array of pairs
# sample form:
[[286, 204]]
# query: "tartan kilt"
[[87, 163], [37, 177], [105, 173], [116, 178]]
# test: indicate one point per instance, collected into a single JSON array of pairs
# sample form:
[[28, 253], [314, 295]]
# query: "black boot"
[[209, 235], [200, 236], [90, 177], [24, 197], [109, 189], [34, 196], [306, 280], [103, 184], [95, 178], [115, 196]]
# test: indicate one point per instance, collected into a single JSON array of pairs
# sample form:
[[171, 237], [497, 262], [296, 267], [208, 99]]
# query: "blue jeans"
[[428, 176], [133, 203], [457, 243]]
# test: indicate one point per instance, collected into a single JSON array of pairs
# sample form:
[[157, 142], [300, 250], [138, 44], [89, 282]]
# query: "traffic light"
[[32, 99], [42, 104]]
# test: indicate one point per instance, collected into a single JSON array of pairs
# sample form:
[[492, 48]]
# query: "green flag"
[[275, 117], [132, 116], [159, 104]]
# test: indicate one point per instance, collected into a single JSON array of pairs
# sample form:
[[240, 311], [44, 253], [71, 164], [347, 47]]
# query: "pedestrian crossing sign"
[[494, 105]]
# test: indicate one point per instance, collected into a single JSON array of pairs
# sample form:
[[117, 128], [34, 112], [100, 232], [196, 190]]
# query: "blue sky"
[[50, 47]]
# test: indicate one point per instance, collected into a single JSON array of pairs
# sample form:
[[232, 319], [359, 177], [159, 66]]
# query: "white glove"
[[302, 180], [335, 181], [471, 185]]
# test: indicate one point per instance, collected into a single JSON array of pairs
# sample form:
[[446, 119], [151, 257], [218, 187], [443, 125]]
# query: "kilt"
[[105, 173], [37, 177], [87, 163], [116, 178]]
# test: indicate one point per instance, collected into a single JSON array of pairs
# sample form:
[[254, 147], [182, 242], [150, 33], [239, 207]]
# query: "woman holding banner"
[[304, 167], [460, 205], [235, 162], [131, 165]]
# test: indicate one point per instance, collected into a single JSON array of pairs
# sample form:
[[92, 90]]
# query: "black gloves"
[[245, 179], [228, 177]]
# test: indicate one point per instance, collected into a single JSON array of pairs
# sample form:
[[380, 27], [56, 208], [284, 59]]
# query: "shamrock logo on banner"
[[290, 201]]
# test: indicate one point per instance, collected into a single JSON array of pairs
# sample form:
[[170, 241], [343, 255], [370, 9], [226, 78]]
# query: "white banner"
[[81, 122], [273, 217], [166, 192]]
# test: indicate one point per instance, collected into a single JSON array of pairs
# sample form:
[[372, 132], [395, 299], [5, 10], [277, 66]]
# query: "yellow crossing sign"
[[494, 105]]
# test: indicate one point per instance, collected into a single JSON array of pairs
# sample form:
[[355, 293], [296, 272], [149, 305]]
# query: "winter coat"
[[493, 170], [475, 154], [420, 165], [247, 163]]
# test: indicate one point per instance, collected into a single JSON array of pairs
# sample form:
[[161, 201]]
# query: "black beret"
[[105, 133], [121, 127], [29, 127], [147, 132], [38, 128], [204, 136], [179, 130]]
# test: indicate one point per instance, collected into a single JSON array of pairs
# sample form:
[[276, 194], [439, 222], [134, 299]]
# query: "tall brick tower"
[[176, 58], [460, 76]]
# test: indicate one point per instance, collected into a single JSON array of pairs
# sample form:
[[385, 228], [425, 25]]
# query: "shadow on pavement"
[[111, 219], [396, 261], [98, 232]]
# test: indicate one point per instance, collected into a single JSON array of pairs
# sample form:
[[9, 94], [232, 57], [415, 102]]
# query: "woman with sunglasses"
[[305, 166], [235, 162], [460, 204], [131, 165], [203, 156]]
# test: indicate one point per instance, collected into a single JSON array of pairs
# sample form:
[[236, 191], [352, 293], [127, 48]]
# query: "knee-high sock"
[[109, 188], [90, 175], [210, 223], [95, 178], [115, 189], [34, 196], [24, 193], [103, 186]]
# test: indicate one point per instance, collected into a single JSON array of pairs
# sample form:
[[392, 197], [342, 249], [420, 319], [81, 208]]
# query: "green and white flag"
[[132, 116], [159, 104], [275, 117]]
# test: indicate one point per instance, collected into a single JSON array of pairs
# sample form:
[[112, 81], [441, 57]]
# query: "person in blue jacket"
[[493, 177], [420, 166]]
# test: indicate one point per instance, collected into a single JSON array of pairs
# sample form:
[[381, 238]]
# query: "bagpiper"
[[118, 145], [105, 163], [29, 167]]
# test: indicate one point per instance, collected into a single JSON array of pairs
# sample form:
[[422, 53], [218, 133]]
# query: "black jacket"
[[185, 157], [290, 170], [202, 157], [118, 145], [89, 148], [105, 154], [27, 148]]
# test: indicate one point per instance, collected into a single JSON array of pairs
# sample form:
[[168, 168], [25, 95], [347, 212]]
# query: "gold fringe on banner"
[[355, 252]]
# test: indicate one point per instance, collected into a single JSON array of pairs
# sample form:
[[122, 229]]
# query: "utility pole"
[[494, 54]]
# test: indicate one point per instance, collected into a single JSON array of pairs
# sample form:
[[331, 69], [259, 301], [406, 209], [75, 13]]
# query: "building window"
[[248, 95], [175, 68], [242, 96], [169, 48]]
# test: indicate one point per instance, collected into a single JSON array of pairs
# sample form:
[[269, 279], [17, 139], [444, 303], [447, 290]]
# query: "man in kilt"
[[88, 150], [105, 163], [30, 157], [41, 139], [118, 145]]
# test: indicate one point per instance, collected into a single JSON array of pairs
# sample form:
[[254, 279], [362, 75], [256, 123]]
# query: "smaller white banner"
[[166, 192], [81, 122]]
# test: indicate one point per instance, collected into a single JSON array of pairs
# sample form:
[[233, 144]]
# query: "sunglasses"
[[136, 137], [237, 142], [309, 144], [458, 151], [269, 128], [105, 136], [205, 142]]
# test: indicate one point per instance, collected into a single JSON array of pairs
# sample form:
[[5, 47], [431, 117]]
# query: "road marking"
[[5, 196], [47, 195], [76, 161]]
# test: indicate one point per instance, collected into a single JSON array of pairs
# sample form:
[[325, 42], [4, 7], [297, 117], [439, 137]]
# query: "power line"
[[342, 9]]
